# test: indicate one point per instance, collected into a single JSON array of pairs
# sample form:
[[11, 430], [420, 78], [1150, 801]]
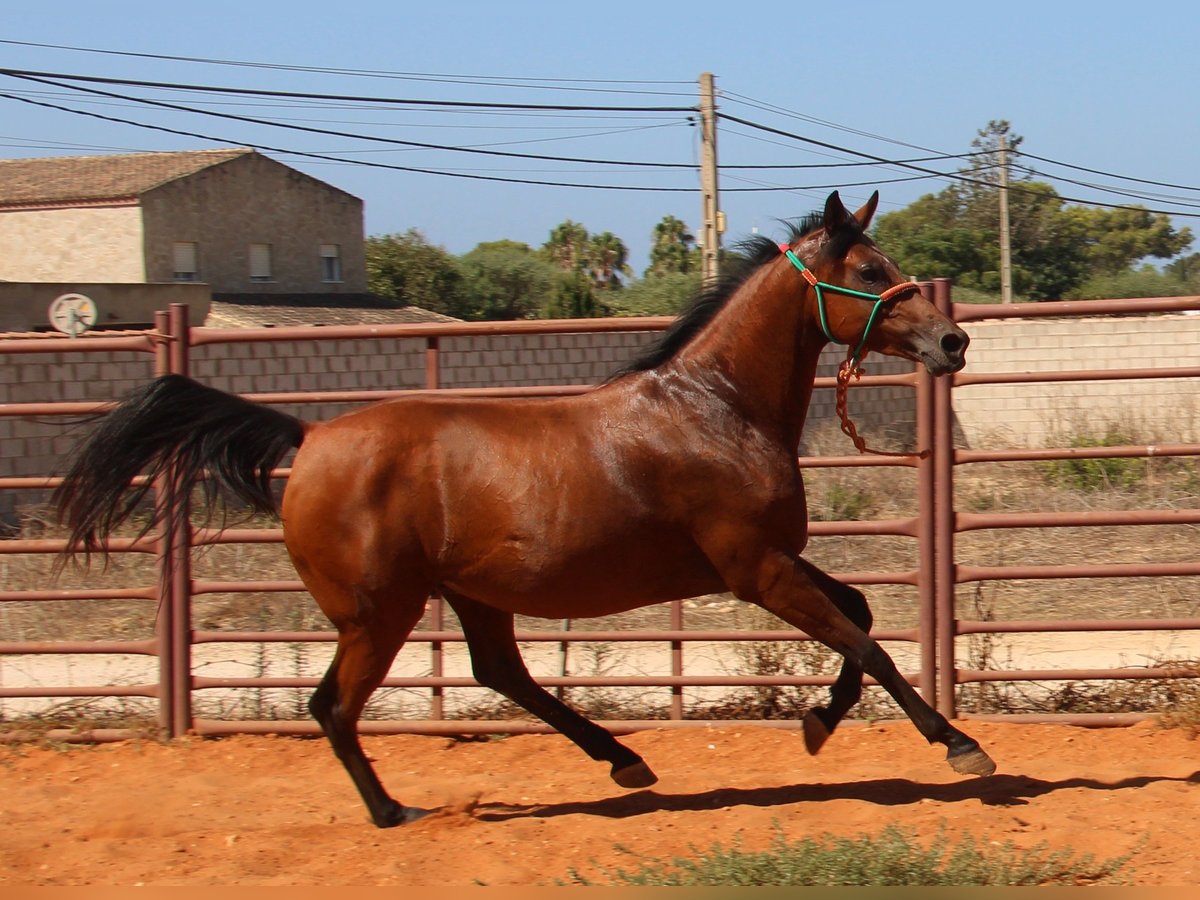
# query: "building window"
[[260, 262], [183, 257], [331, 262]]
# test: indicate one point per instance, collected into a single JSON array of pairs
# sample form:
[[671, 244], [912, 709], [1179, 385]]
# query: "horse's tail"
[[173, 424]]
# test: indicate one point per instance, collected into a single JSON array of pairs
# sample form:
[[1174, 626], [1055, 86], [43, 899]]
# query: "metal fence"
[[936, 669]]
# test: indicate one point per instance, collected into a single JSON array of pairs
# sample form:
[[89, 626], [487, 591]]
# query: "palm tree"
[[566, 245], [673, 249], [607, 260]]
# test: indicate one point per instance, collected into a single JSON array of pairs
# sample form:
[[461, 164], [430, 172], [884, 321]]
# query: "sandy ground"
[[526, 810]]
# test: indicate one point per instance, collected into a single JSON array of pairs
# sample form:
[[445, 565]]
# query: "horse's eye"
[[869, 274]]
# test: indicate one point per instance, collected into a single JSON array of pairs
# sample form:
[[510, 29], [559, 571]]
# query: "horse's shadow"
[[996, 790]]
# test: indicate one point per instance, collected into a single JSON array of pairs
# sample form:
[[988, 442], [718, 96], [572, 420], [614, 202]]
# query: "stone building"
[[234, 219]]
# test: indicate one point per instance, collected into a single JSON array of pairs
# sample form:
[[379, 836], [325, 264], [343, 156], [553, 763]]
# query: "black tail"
[[173, 424]]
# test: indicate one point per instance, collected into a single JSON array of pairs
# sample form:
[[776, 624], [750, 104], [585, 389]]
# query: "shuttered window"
[[331, 262], [183, 261], [260, 262]]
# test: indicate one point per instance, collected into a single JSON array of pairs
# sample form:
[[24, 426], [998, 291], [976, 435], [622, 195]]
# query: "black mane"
[[752, 254]]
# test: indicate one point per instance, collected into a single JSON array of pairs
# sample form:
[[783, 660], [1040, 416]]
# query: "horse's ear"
[[864, 215], [836, 214]]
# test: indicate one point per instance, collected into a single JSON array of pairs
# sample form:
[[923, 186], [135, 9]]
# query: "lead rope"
[[851, 369]]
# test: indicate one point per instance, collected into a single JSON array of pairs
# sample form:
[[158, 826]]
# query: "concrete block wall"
[[41, 446], [1046, 414], [1164, 410]]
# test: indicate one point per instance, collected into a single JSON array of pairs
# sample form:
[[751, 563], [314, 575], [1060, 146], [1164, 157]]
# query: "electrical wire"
[[485, 80], [346, 98], [959, 177], [1166, 184], [912, 164], [328, 158]]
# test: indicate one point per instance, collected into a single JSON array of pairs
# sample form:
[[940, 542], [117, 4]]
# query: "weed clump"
[[893, 858]]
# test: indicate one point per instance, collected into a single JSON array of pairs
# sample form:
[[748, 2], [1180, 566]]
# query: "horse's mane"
[[751, 255]]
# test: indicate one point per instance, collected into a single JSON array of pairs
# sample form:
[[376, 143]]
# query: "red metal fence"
[[937, 522]]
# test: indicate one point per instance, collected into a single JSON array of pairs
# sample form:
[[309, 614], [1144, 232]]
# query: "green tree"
[[1117, 238], [408, 269], [506, 280], [603, 257], [1055, 247], [1186, 270], [607, 260], [656, 295], [567, 246], [674, 249], [574, 297]]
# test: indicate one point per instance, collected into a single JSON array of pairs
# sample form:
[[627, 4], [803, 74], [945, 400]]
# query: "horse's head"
[[861, 299]]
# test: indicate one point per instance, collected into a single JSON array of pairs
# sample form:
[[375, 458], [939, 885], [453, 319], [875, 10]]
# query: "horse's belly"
[[588, 583]]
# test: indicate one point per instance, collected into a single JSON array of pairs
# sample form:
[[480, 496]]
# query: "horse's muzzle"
[[949, 353]]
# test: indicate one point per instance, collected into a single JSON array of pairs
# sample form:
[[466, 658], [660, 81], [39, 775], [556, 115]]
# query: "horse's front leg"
[[799, 594]]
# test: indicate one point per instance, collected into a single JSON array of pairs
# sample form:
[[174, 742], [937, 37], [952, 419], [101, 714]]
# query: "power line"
[[1136, 195], [347, 134], [1166, 184], [966, 179], [789, 113], [864, 158], [347, 98], [441, 78], [450, 148], [328, 158]]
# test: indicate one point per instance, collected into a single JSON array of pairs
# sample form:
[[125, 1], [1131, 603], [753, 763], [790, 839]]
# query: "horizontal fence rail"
[[182, 672]]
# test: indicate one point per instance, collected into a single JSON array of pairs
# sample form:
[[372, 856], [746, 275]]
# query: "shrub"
[[1091, 474], [891, 859]]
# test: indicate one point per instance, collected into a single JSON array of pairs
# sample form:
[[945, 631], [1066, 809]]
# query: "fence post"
[[676, 660], [180, 549], [943, 487], [432, 364], [926, 534], [164, 625], [437, 609]]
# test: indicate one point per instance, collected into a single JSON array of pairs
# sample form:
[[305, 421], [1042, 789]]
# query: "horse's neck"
[[762, 351]]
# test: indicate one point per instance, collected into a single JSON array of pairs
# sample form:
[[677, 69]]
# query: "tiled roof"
[[222, 314], [63, 179]]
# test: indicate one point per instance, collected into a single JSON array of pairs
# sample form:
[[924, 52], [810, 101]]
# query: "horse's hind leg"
[[820, 721], [497, 664], [367, 644]]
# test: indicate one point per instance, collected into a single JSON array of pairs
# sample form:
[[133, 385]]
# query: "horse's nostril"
[[953, 343]]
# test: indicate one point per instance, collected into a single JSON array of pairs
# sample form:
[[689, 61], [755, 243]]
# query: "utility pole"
[[711, 210], [1006, 295]]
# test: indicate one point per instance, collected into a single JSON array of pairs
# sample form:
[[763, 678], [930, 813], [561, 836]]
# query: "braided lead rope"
[[851, 369]]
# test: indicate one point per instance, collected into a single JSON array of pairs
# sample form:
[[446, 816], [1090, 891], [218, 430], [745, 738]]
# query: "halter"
[[820, 287], [850, 367]]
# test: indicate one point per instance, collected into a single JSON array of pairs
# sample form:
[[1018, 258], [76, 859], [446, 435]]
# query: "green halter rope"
[[821, 286]]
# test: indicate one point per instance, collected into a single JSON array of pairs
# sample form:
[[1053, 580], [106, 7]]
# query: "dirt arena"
[[526, 810]]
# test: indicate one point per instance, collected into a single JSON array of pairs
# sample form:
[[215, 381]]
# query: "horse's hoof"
[[637, 775], [816, 733], [401, 815], [972, 762]]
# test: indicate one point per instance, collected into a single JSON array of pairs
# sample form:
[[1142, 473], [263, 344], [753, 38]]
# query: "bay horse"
[[676, 477]]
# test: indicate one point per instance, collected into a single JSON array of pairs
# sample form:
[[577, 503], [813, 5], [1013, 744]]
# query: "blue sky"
[[1103, 85]]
